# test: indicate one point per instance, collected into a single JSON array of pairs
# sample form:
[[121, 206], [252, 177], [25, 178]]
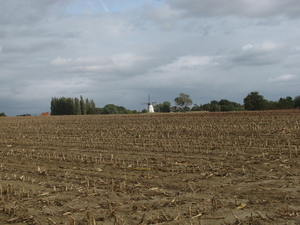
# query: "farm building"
[[45, 114]]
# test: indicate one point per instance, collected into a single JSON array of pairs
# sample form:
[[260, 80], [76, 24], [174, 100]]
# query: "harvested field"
[[181, 168]]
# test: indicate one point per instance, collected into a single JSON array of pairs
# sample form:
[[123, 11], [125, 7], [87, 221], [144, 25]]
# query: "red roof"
[[45, 114]]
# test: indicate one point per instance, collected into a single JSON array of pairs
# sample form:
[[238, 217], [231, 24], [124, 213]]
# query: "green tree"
[[166, 106], [2, 114], [122, 110], [297, 102], [286, 103], [99, 110], [70, 106], [77, 108], [92, 111], [82, 106], [206, 107], [62, 106], [215, 106], [226, 105], [110, 109], [183, 100], [230, 106], [237, 106], [90, 106], [254, 101], [163, 107], [270, 105], [196, 108]]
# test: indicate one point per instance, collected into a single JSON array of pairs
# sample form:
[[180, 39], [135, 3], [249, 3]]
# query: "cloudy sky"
[[119, 51]]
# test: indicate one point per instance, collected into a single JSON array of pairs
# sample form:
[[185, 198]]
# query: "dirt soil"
[[180, 168]]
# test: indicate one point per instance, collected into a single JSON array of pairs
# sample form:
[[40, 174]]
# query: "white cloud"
[[270, 46], [266, 46], [247, 47], [60, 61], [282, 78], [190, 62]]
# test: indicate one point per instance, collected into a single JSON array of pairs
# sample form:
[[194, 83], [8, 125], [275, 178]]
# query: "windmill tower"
[[150, 105]]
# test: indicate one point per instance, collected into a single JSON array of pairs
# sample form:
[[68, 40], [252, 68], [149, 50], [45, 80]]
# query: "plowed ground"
[[200, 168]]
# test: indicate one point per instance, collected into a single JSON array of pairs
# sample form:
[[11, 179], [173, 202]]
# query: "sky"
[[119, 51]]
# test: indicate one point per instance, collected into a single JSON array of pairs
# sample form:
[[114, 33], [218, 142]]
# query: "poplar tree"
[[82, 106], [77, 108]]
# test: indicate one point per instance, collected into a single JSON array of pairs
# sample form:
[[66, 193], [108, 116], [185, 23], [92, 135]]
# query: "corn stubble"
[[191, 168]]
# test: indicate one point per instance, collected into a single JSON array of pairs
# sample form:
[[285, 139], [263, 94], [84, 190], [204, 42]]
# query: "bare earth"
[[184, 168]]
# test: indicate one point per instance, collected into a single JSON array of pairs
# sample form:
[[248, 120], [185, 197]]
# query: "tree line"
[[72, 106], [253, 101], [79, 106], [184, 101]]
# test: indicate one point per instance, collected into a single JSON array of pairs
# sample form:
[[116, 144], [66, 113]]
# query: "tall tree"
[[82, 106], [70, 106], [77, 108], [254, 101], [90, 106], [183, 100], [92, 103]]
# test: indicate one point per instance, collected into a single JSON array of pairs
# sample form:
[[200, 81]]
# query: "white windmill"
[[150, 105]]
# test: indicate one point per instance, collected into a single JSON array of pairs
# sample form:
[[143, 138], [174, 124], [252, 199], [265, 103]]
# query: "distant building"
[[45, 114]]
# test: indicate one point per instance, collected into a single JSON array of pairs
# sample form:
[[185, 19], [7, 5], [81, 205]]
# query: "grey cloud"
[[34, 47], [255, 59], [27, 12], [163, 16], [240, 8], [266, 53]]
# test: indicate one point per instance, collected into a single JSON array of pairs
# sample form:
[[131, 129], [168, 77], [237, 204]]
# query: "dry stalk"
[[72, 222], [51, 221], [190, 211], [9, 189], [236, 201], [191, 187], [90, 218], [87, 182], [142, 220], [237, 219], [1, 191], [112, 185], [244, 171], [178, 213], [214, 203]]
